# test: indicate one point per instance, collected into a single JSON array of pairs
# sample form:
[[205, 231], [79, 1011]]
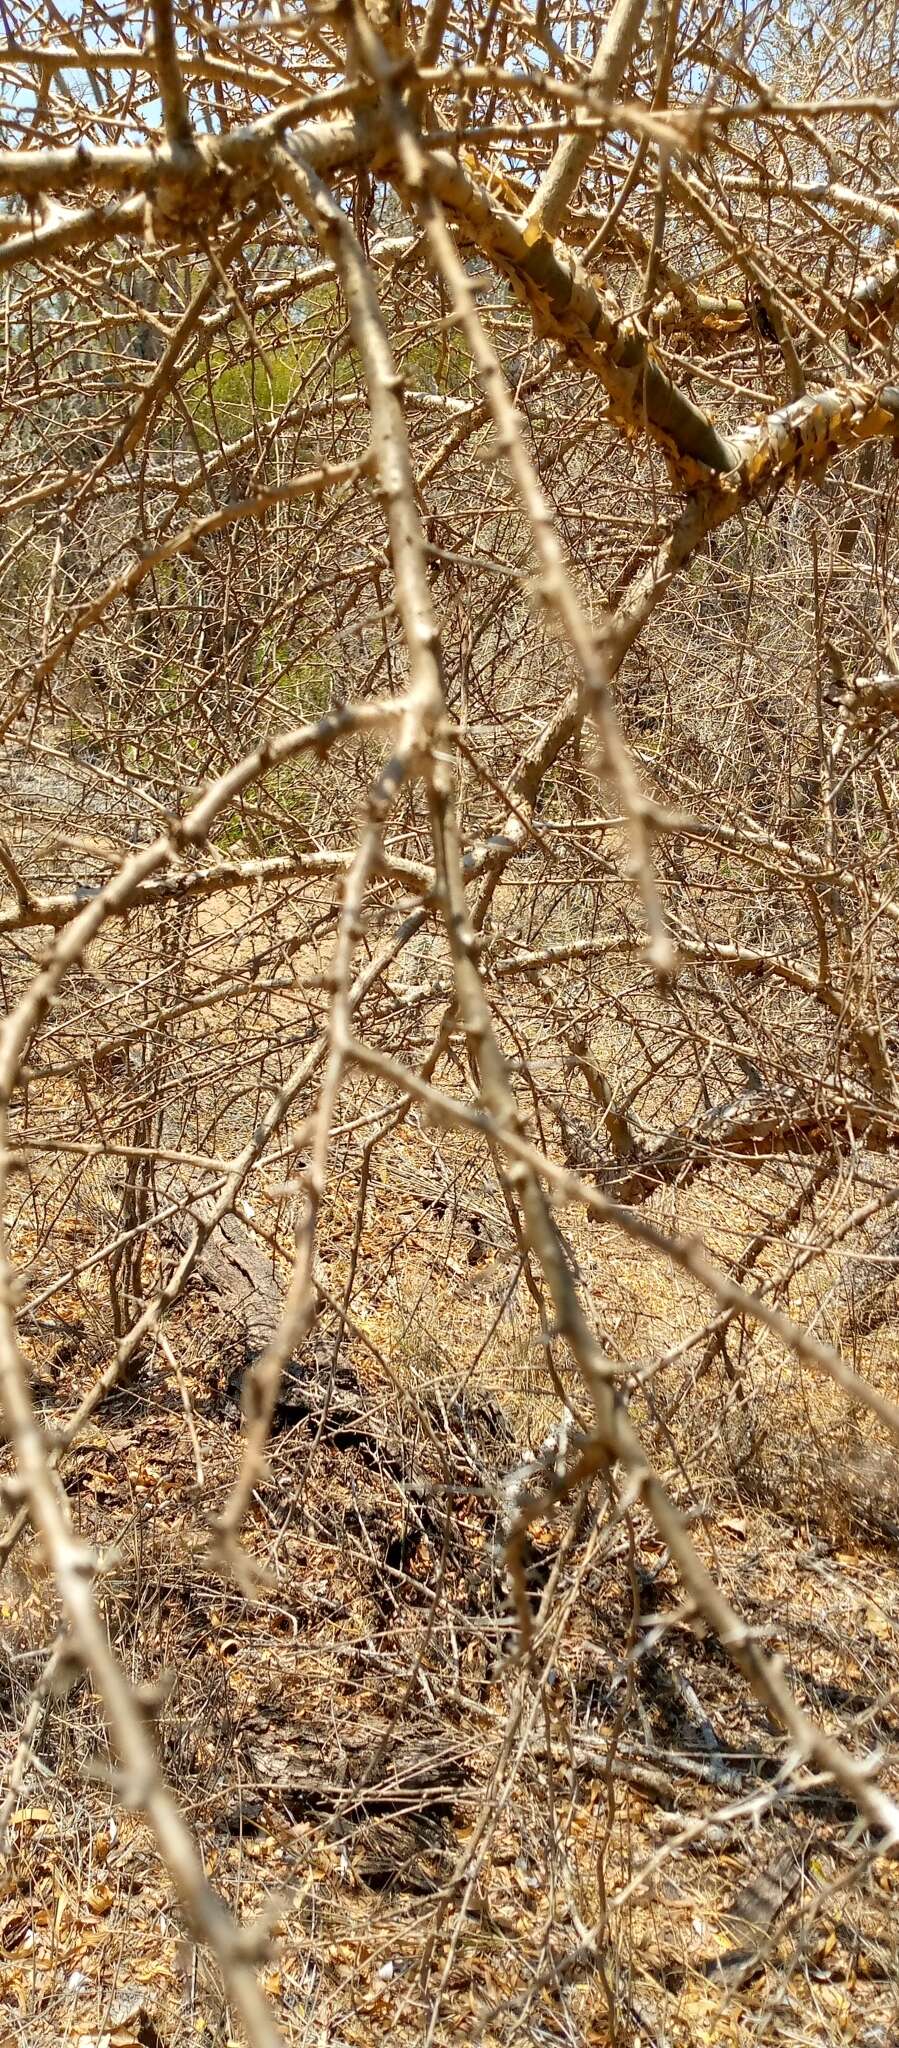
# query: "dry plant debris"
[[449, 1248]]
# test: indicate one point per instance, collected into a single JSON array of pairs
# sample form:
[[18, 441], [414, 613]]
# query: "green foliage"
[[438, 365], [225, 401], [265, 819], [262, 823], [303, 686]]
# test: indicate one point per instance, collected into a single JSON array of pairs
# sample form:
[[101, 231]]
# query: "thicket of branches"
[[447, 585]]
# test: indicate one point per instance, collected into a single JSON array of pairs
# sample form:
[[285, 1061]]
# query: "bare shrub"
[[448, 1078]]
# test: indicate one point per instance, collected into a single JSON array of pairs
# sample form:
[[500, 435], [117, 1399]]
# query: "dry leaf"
[[734, 1524], [100, 1899]]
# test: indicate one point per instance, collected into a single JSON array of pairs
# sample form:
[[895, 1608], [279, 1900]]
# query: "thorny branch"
[[260, 266]]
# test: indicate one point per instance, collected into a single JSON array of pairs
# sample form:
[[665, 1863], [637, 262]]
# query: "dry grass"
[[384, 1646]]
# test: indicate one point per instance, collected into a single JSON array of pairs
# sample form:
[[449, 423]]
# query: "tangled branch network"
[[447, 611]]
